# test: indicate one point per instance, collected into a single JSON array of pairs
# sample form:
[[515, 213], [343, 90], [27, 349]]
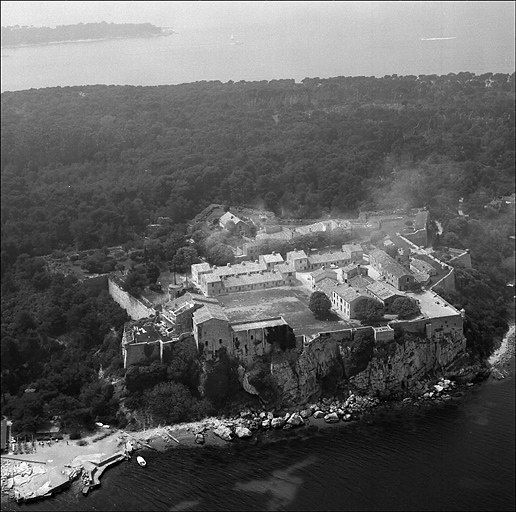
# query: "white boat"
[[141, 461], [234, 41]]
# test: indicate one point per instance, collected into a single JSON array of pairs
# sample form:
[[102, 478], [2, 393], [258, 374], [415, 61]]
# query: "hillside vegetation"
[[90, 167]]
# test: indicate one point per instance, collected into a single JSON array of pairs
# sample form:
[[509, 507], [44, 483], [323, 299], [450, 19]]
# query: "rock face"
[[290, 376], [408, 363]]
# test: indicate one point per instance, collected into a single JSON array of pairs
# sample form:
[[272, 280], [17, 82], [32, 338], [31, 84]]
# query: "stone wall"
[[460, 256], [419, 237], [447, 282], [136, 353], [211, 335], [135, 308]]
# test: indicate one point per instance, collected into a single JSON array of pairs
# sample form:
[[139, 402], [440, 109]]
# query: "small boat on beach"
[[141, 461]]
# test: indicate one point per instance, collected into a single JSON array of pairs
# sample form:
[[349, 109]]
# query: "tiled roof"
[[360, 282], [388, 265], [351, 266], [285, 267], [320, 271], [348, 293], [421, 277], [243, 280], [241, 268], [421, 266], [201, 267], [318, 259], [327, 286], [293, 255], [272, 258], [284, 234], [209, 312], [210, 278], [382, 291]]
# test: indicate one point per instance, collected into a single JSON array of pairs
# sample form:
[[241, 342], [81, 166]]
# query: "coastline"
[[142, 36], [500, 360], [79, 464]]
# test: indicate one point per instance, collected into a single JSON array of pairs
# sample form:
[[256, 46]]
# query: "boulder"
[[223, 432], [306, 413], [278, 422], [242, 432], [287, 426], [266, 424], [295, 420], [254, 424], [199, 439], [318, 414], [346, 417], [332, 417]]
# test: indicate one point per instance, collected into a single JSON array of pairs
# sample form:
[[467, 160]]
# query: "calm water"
[[458, 457], [267, 53]]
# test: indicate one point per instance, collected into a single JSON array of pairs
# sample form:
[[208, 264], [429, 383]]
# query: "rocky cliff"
[[296, 376], [403, 364]]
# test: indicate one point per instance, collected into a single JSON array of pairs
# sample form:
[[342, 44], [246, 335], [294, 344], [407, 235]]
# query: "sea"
[[456, 456], [265, 53]]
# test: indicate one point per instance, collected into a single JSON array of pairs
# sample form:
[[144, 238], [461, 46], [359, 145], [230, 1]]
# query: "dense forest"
[[86, 168], [29, 36]]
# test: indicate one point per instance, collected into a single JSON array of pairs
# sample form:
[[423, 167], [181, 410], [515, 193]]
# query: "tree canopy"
[[319, 304], [404, 307], [369, 310]]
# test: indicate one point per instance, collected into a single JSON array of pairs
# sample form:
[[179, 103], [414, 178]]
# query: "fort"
[[242, 307]]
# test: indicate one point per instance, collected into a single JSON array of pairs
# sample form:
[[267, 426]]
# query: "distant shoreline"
[[68, 41]]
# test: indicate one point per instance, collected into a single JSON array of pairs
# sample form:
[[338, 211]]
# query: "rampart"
[[460, 256], [135, 353], [135, 308], [419, 237]]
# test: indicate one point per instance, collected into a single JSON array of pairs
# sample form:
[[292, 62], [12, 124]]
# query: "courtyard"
[[289, 302]]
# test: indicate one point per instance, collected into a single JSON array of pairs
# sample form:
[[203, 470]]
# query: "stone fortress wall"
[[136, 309]]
